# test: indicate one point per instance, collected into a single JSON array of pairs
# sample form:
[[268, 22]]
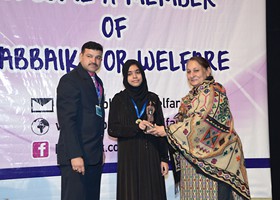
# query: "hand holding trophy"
[[150, 110]]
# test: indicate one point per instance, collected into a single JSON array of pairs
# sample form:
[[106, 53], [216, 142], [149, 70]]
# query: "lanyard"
[[136, 108], [97, 88]]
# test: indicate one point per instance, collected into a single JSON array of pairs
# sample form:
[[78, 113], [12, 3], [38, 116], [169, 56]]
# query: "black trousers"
[[75, 186], [224, 191]]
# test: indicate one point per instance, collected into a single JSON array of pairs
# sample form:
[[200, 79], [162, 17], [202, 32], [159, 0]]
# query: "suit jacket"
[[81, 129]]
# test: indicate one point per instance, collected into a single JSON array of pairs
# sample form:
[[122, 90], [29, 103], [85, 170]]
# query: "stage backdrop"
[[40, 41]]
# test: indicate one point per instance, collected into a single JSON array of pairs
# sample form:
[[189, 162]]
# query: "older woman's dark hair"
[[202, 61]]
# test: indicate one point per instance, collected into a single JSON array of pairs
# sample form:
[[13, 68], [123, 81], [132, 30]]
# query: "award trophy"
[[150, 110]]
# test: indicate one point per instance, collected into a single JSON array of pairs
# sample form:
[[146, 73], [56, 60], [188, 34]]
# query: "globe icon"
[[40, 126]]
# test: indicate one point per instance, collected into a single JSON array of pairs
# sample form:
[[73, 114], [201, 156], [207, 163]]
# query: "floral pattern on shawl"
[[204, 134]]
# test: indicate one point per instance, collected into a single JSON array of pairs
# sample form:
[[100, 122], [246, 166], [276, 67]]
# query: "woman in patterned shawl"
[[207, 152]]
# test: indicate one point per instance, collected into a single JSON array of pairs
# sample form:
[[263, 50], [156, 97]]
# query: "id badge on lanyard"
[[98, 111]]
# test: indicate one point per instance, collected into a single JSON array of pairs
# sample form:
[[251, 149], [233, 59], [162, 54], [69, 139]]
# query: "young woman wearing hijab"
[[142, 158], [208, 152]]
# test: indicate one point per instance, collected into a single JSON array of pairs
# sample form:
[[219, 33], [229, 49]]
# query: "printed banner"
[[40, 40]]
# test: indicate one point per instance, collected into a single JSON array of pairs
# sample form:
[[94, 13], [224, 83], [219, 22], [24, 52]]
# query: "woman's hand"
[[164, 168], [144, 125], [157, 131]]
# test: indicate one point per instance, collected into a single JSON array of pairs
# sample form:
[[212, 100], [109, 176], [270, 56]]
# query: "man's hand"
[[78, 165]]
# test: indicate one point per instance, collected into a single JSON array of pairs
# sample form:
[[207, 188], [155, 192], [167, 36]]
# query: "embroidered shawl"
[[204, 134]]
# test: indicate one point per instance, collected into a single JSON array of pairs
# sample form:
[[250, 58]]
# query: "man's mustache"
[[94, 64]]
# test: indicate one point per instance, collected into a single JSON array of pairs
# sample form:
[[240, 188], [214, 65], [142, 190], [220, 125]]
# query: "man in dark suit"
[[80, 112]]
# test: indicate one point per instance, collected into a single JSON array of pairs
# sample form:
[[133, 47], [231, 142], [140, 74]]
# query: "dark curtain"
[[273, 76]]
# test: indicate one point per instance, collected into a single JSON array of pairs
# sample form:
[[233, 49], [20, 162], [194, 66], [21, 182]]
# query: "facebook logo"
[[40, 149]]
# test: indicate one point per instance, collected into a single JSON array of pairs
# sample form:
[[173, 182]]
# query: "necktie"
[[98, 88], [95, 82]]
